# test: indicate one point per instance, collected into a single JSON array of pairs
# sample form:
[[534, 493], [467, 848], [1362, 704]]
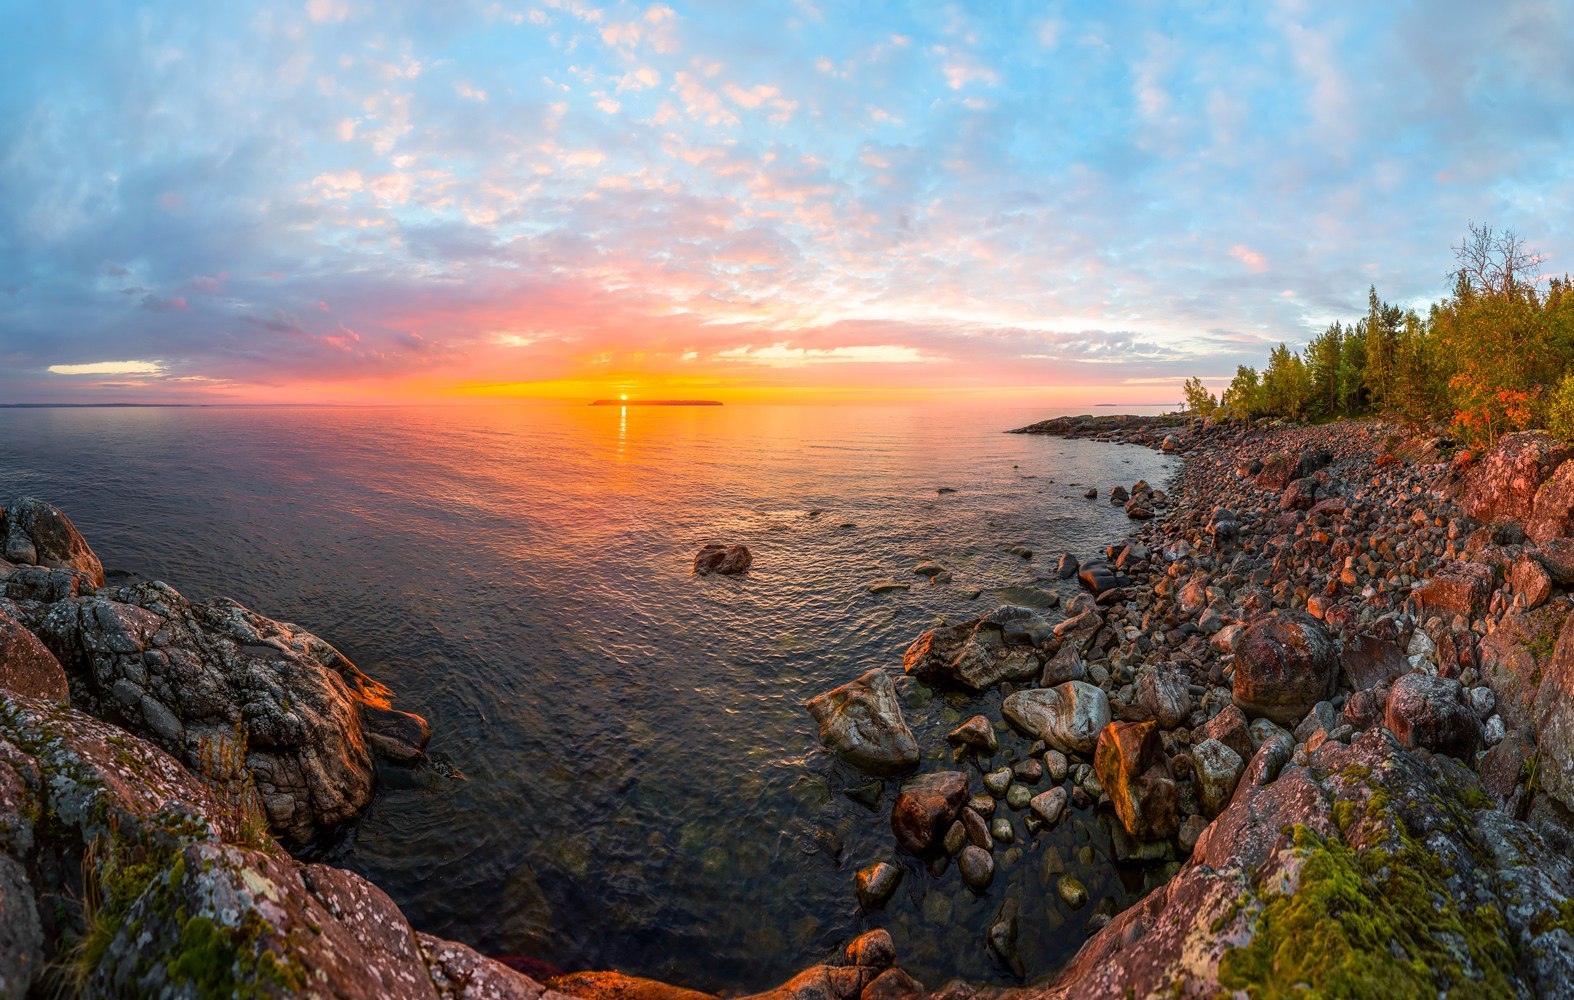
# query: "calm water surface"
[[642, 788]]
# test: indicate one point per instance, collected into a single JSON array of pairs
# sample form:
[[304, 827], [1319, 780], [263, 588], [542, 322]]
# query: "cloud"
[[110, 368], [1254, 261]]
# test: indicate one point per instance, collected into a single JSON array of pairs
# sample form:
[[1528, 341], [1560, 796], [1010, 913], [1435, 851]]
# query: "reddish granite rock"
[[1462, 588], [1552, 512], [1502, 486], [1286, 663], [27, 667], [926, 806], [1431, 712], [1130, 766]]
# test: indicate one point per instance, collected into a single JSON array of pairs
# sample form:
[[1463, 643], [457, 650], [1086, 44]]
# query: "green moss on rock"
[[1374, 924]]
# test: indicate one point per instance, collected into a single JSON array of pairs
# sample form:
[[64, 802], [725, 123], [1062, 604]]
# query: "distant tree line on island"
[[1496, 355]]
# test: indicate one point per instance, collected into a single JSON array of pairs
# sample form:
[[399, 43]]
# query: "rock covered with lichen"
[[1368, 870], [128, 874], [182, 673]]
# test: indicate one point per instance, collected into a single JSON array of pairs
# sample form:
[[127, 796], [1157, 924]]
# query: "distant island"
[[655, 402]]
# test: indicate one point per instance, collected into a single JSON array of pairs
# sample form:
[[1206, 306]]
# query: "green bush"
[[1560, 409]]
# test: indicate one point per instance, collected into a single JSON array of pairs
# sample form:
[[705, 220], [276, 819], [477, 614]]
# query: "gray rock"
[[1218, 769], [977, 867], [1068, 717], [862, 721]]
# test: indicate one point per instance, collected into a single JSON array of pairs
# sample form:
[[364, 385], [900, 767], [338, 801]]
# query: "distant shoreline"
[[655, 402]]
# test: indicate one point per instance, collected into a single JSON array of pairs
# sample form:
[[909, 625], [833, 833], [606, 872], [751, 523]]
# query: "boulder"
[[1131, 769], [1368, 661], [1300, 494], [862, 722], [1163, 693], [1431, 712], [926, 806], [38, 534], [27, 667], [1067, 567], [1097, 577], [1557, 555], [1286, 662], [1503, 485], [1217, 769], [1552, 511], [1459, 588], [726, 560], [1530, 580], [1517, 654], [975, 732], [1230, 728], [1068, 717], [979, 654]]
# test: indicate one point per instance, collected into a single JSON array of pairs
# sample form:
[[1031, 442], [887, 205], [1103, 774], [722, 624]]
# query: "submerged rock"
[[862, 721]]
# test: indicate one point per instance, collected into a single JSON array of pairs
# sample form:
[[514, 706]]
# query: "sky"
[[347, 201]]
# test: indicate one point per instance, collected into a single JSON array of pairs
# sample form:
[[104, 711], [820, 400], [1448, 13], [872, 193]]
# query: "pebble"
[[977, 867], [1071, 891]]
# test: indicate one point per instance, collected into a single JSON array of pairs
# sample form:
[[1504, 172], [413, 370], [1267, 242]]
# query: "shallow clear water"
[[642, 787]]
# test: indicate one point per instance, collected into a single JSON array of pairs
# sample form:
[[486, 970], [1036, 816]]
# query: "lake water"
[[642, 788]]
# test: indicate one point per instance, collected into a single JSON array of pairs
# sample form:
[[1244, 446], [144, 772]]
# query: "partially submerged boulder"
[[862, 721], [725, 560], [1068, 717], [978, 654], [1131, 768], [926, 806]]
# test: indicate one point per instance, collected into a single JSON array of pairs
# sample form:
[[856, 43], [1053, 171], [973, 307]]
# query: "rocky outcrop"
[[1368, 871], [189, 896], [181, 673], [862, 721], [1503, 484], [36, 534], [1286, 663], [187, 675]]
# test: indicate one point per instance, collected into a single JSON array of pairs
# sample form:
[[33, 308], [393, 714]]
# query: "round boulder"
[[1286, 662]]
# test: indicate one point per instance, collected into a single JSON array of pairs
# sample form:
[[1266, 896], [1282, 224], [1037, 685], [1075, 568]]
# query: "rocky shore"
[[1325, 686], [1323, 694]]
